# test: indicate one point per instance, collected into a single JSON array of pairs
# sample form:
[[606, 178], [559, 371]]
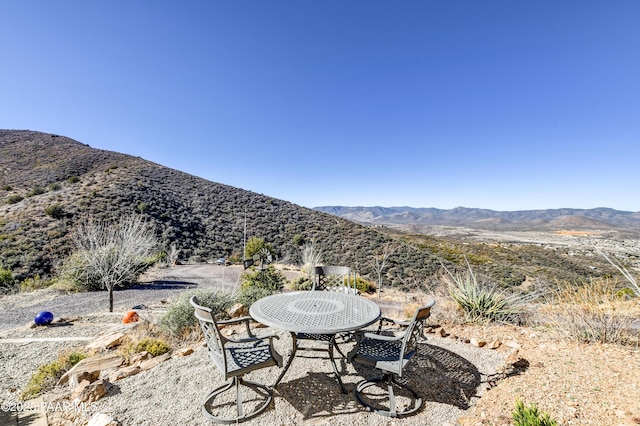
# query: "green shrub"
[[142, 207], [7, 283], [6, 188], [530, 416], [55, 211], [13, 199], [155, 347], [260, 283], [298, 240], [73, 179], [365, 286], [302, 283], [34, 283], [73, 275], [249, 295], [54, 186], [180, 318], [36, 190], [255, 245], [47, 375]]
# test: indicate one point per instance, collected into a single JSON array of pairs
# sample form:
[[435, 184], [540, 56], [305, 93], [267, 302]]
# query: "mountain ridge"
[[541, 219]]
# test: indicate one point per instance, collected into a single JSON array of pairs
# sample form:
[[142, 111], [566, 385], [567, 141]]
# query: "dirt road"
[[157, 285]]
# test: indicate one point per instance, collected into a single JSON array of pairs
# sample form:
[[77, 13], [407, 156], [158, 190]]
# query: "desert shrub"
[[298, 240], [249, 295], [36, 190], [365, 286], [73, 275], [530, 416], [73, 179], [302, 283], [13, 199], [481, 302], [180, 319], [34, 283], [142, 206], [260, 283], [155, 347], [7, 282], [6, 187], [255, 245], [54, 186], [47, 375], [55, 211], [591, 312]]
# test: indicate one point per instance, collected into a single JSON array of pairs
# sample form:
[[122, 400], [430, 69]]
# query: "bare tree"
[[311, 257], [172, 254], [114, 253], [380, 261]]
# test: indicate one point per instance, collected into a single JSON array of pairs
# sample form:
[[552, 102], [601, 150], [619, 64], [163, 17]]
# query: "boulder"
[[238, 310], [90, 392], [102, 419]]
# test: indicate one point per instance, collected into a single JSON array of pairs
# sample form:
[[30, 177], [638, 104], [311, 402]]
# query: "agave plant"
[[483, 303]]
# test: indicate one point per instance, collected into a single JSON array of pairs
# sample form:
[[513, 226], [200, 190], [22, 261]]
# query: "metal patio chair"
[[390, 354], [335, 278], [234, 358]]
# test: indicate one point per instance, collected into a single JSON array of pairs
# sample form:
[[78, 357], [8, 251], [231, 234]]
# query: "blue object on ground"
[[43, 318]]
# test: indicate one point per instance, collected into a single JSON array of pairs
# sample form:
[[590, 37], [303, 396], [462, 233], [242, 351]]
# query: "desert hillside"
[[48, 182]]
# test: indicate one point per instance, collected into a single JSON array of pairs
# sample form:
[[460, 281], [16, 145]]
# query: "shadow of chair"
[[442, 377], [234, 358], [389, 354]]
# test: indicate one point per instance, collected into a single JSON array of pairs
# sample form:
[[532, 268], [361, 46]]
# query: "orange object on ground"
[[131, 316]]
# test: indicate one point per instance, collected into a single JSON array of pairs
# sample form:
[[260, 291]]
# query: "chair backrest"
[[335, 278], [414, 330], [215, 340]]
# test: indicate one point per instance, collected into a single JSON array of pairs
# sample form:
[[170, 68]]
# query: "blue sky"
[[506, 105]]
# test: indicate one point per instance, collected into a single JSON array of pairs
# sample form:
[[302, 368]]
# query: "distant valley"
[[599, 219]]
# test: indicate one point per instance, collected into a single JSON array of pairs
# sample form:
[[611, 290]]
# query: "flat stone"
[[131, 370], [106, 341], [93, 364], [150, 363]]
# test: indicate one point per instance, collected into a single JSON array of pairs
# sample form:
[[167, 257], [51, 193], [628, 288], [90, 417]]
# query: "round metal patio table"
[[315, 312]]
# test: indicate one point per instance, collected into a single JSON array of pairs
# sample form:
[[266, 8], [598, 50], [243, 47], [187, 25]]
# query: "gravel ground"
[[449, 374]]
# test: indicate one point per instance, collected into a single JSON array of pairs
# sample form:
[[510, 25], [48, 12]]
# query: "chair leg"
[[390, 381], [241, 416]]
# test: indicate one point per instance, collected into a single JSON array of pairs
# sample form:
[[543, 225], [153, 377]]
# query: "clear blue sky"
[[506, 105]]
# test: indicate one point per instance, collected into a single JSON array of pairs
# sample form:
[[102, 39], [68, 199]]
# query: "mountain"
[[203, 218], [49, 182], [526, 220]]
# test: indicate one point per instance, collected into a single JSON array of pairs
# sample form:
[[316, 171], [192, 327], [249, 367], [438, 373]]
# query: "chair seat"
[[313, 336], [384, 355], [247, 356]]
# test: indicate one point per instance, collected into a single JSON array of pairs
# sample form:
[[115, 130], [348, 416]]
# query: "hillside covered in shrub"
[[49, 182]]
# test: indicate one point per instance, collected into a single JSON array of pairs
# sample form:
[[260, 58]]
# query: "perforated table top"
[[315, 312]]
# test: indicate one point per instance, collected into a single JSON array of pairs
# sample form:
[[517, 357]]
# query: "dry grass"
[[592, 312]]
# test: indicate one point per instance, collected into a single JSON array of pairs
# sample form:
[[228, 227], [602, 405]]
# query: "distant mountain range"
[[600, 219]]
